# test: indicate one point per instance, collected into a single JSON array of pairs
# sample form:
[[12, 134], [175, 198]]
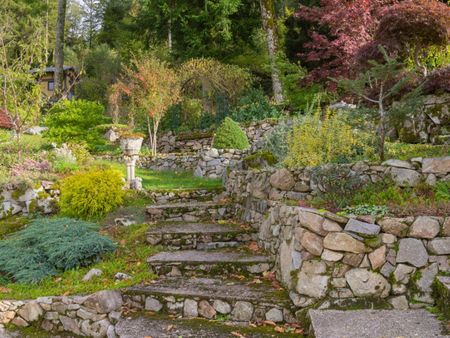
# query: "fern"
[[49, 246]]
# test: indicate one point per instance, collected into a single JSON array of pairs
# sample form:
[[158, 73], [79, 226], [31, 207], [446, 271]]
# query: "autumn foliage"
[[340, 29]]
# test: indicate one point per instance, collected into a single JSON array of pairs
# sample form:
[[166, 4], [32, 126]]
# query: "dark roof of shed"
[[5, 120], [50, 69]]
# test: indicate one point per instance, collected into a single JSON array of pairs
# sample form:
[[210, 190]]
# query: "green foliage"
[[276, 141], [367, 209], [48, 246], [254, 106], [230, 136], [91, 194], [260, 159], [80, 151], [316, 140], [102, 66], [442, 191], [75, 121], [405, 151], [338, 184]]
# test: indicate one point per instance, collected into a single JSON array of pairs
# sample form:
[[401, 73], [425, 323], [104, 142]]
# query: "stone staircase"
[[206, 271]]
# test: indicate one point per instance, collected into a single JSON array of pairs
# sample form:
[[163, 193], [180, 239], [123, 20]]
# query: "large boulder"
[[339, 241], [413, 252], [405, 177], [365, 283], [311, 281], [438, 165], [104, 301], [282, 179], [424, 227]]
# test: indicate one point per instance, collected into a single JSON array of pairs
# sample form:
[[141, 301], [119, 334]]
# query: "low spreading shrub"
[[91, 194], [49, 246], [318, 140], [230, 136]]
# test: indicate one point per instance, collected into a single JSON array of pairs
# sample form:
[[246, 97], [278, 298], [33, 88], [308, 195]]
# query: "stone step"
[[201, 236], [192, 262], [212, 298], [141, 326], [188, 212], [374, 324]]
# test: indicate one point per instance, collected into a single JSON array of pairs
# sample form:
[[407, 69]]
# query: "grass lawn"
[[170, 180]]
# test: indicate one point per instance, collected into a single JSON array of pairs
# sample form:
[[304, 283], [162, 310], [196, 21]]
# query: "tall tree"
[[59, 47], [268, 16]]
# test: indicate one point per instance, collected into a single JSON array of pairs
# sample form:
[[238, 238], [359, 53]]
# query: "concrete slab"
[[375, 324]]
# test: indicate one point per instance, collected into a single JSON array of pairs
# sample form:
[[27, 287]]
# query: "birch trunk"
[[269, 26]]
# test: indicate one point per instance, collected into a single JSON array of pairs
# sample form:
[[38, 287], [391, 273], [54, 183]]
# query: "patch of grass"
[[130, 258], [11, 224], [153, 180], [406, 151]]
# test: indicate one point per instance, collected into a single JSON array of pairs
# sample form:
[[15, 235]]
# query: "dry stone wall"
[[326, 260], [16, 199], [278, 184], [168, 142], [214, 163], [92, 315]]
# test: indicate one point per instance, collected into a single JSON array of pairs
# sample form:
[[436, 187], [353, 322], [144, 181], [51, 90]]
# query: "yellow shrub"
[[318, 140], [91, 194]]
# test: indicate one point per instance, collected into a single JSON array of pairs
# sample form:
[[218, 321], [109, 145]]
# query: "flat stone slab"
[[196, 228], [375, 324], [212, 288], [188, 205], [206, 257], [146, 326]]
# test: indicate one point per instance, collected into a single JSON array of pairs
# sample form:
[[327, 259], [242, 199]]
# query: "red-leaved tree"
[[340, 29], [412, 27]]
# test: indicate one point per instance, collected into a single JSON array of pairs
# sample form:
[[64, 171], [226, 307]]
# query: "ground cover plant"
[[129, 257], [48, 246], [351, 195]]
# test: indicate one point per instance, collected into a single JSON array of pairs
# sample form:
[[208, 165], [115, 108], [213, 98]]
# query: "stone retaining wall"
[[92, 315], [164, 197], [328, 260], [210, 163], [213, 163], [17, 199], [277, 184], [168, 142]]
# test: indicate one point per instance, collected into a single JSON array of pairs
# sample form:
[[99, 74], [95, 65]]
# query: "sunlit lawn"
[[171, 180]]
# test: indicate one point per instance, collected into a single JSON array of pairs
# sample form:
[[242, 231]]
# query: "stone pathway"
[[375, 324], [140, 327]]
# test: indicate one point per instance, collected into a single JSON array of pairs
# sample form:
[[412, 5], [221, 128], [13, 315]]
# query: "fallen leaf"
[[279, 329], [4, 290], [269, 322], [237, 334]]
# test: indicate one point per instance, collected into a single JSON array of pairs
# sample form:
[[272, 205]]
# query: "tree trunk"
[[169, 36], [381, 125], [59, 47], [269, 25]]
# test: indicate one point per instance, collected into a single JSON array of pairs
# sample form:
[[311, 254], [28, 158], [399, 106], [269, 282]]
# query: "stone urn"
[[131, 146]]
